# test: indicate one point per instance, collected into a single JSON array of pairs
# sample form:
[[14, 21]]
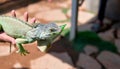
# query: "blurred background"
[[94, 26]]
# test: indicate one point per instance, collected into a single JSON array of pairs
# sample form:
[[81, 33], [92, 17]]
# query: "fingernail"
[[13, 13], [33, 20], [26, 16]]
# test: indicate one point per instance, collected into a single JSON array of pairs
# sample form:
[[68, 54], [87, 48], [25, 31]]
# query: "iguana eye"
[[51, 30]]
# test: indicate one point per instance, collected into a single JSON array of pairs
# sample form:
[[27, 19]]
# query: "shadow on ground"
[[60, 46]]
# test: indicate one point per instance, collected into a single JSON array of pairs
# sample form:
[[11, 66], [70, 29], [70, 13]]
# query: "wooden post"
[[74, 19]]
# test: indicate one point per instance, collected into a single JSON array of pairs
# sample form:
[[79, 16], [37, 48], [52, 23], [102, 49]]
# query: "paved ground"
[[60, 56]]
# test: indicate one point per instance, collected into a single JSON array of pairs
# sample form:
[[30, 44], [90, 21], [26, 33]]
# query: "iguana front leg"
[[19, 42]]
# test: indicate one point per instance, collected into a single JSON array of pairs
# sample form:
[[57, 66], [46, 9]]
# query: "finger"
[[5, 37], [13, 13], [26, 16], [32, 20], [49, 0]]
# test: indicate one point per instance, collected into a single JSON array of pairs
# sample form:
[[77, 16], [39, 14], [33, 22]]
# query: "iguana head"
[[46, 31]]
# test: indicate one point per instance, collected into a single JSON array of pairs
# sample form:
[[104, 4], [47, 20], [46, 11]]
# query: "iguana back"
[[14, 27]]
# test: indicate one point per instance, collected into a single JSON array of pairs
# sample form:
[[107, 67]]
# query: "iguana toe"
[[23, 52]]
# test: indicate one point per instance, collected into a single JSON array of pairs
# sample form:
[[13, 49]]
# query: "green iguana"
[[24, 33]]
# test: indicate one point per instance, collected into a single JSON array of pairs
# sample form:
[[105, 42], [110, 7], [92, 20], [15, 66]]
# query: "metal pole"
[[74, 19]]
